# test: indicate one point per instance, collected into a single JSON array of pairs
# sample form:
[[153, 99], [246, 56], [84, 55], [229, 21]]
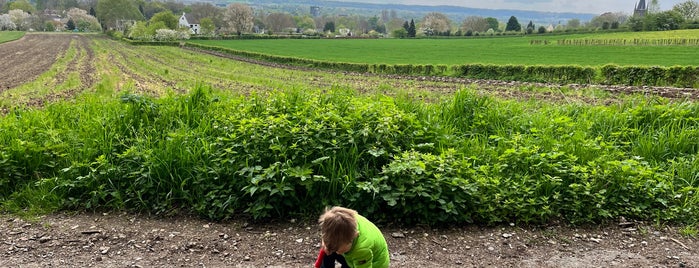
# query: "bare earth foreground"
[[126, 240]]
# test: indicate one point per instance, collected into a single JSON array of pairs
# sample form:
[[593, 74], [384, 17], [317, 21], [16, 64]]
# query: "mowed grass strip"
[[10, 36], [506, 50]]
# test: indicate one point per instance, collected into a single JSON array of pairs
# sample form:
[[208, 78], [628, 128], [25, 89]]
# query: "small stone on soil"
[[397, 235]]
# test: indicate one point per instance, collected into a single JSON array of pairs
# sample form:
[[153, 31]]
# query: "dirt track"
[[125, 240]]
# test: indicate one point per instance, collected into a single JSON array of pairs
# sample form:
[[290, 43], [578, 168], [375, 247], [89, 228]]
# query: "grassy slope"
[[511, 50], [10, 36]]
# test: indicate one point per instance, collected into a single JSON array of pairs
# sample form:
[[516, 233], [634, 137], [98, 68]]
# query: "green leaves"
[[290, 153]]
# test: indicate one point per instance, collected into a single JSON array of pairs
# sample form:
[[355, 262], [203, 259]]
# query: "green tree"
[[23, 5], [530, 27], [542, 29], [412, 31], [112, 12], [493, 23], [83, 26], [664, 21], [373, 23], [513, 25], [139, 31], [400, 33], [70, 25], [329, 27], [615, 25], [49, 27], [170, 20], [208, 28], [305, 22], [636, 23]]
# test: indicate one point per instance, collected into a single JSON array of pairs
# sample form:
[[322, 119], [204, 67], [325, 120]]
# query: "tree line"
[[141, 17]]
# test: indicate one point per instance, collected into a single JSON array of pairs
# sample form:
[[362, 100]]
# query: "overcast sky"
[[577, 6]]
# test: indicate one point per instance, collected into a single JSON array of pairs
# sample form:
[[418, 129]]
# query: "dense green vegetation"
[[466, 159], [507, 50], [9, 36]]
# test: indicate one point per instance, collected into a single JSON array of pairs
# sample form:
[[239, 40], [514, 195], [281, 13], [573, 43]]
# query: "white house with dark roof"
[[187, 21]]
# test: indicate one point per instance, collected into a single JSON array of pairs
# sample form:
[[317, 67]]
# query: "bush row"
[[679, 76], [629, 42], [290, 153]]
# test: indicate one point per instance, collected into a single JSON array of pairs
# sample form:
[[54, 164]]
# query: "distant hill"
[[456, 13]]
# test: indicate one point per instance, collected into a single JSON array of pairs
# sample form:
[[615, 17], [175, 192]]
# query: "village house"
[[550, 28], [189, 22]]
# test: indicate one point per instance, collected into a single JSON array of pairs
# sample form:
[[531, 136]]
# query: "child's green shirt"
[[369, 249]]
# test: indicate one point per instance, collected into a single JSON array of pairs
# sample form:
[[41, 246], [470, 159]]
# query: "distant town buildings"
[[315, 11], [641, 9]]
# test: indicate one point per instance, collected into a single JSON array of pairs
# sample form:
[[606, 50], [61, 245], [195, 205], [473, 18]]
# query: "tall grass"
[[465, 158]]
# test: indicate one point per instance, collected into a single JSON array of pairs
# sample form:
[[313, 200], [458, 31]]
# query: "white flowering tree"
[[84, 21], [6, 23], [436, 23], [170, 35], [20, 18]]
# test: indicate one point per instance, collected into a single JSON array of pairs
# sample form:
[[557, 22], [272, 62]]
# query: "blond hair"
[[338, 227]]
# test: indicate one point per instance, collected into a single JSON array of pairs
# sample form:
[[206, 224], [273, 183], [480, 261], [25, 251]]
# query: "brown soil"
[[126, 240], [25, 59]]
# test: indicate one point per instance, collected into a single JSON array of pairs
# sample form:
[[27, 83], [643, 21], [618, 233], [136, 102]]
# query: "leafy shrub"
[[422, 188]]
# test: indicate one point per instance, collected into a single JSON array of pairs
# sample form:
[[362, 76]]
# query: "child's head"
[[338, 228]]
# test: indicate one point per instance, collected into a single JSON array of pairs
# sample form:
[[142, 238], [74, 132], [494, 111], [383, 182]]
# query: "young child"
[[351, 240]]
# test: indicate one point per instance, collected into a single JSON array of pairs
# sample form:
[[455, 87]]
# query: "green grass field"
[[9, 36], [506, 50]]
